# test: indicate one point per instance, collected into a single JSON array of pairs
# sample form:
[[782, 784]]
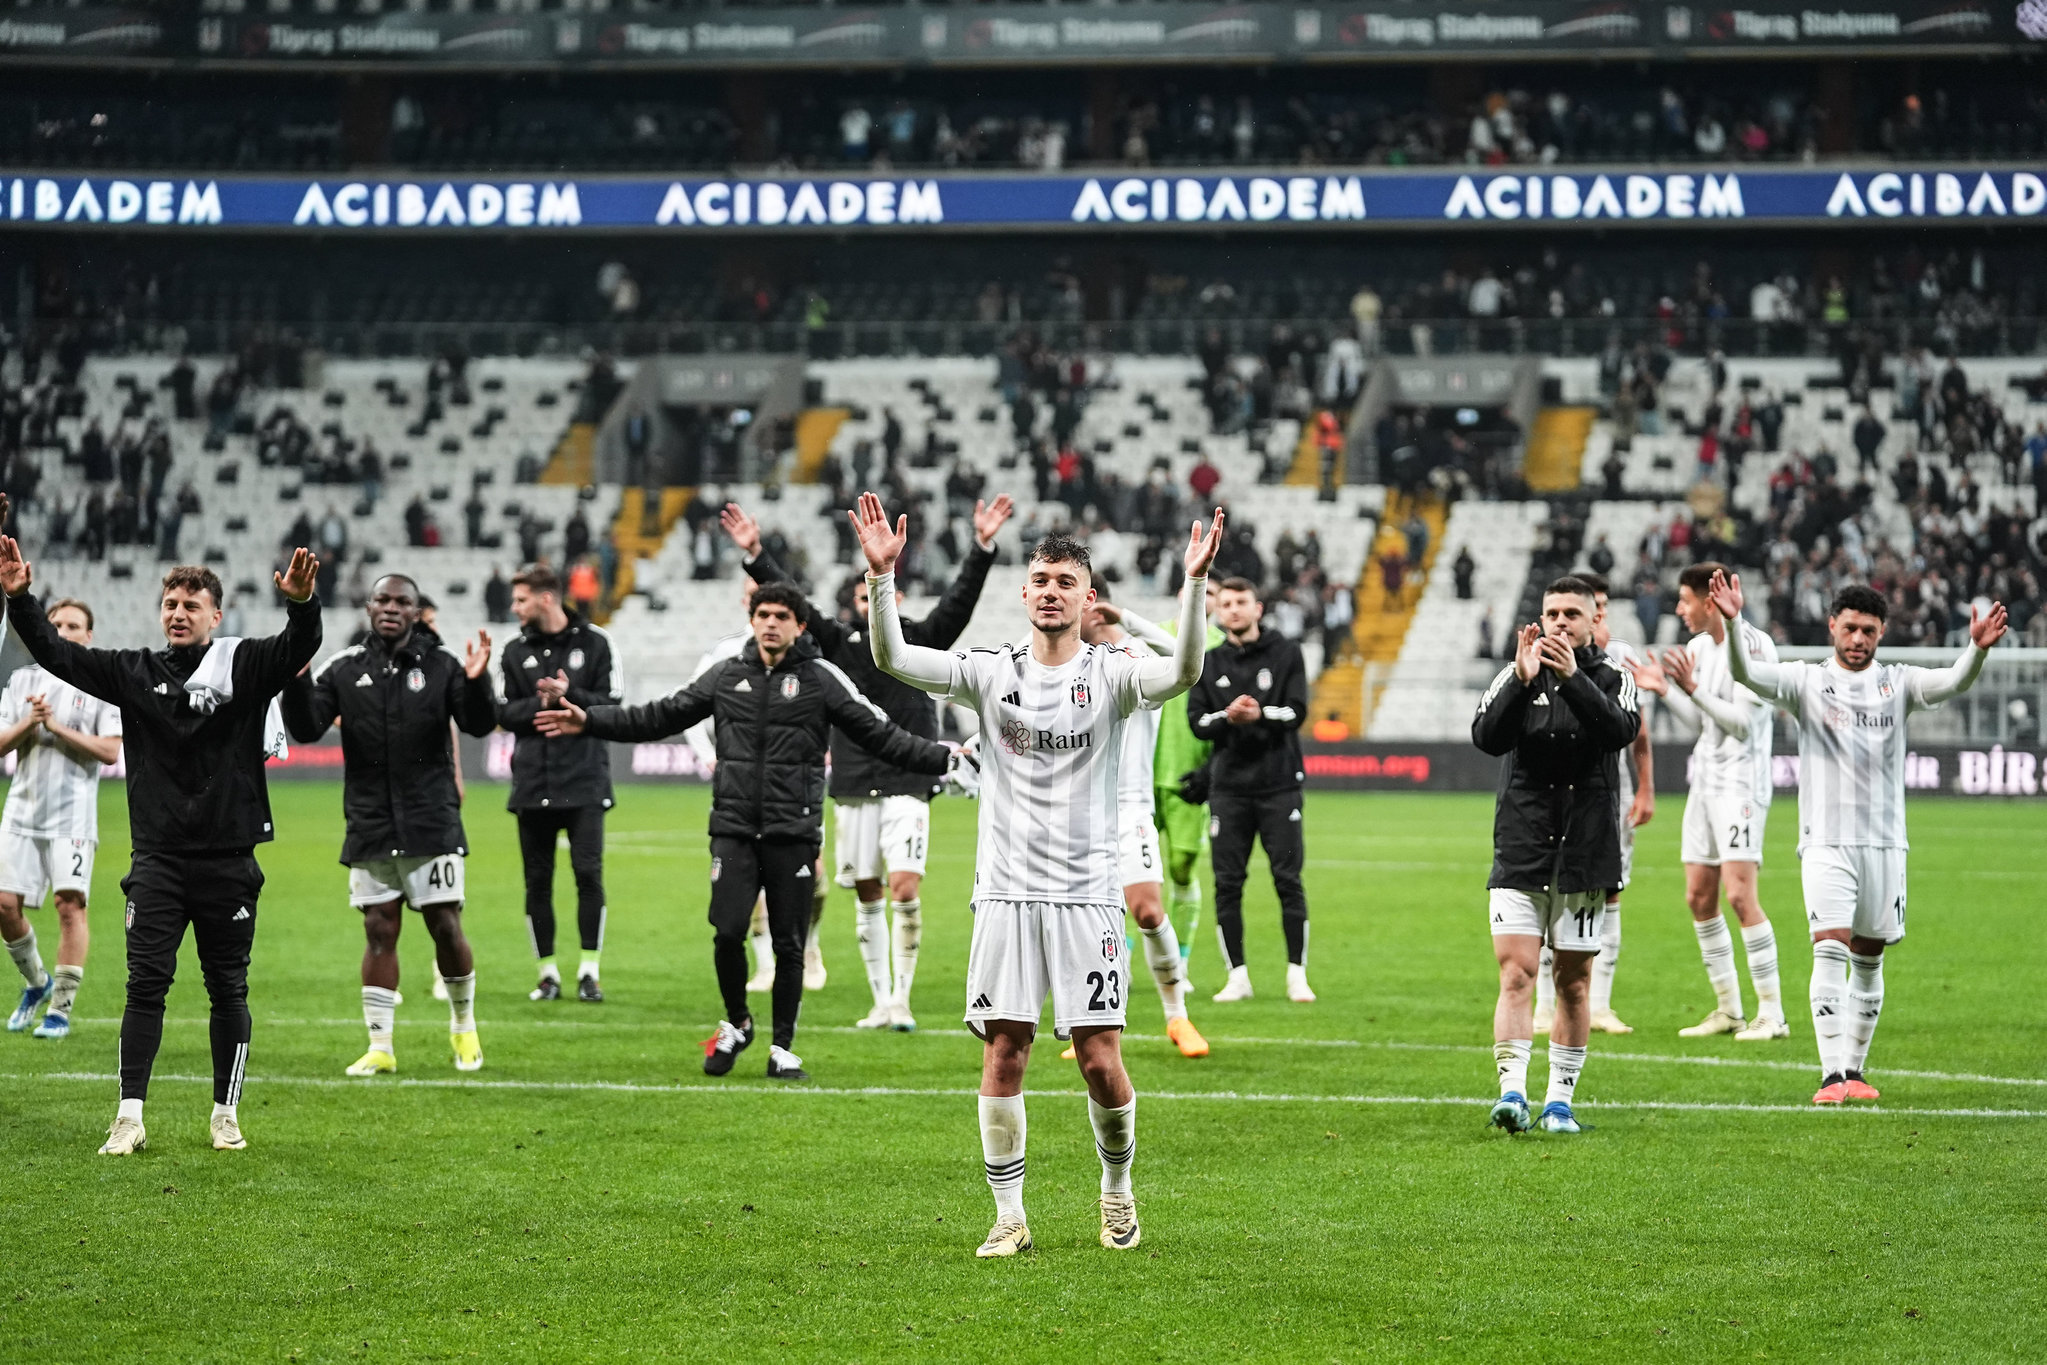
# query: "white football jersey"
[[1140, 742], [54, 796], [1620, 654], [1851, 750], [1721, 764], [1052, 743]]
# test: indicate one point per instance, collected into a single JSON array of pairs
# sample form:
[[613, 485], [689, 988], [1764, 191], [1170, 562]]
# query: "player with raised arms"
[[1048, 914], [1851, 713], [1727, 807]]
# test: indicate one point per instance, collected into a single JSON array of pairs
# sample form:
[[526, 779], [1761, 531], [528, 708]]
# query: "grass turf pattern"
[[1321, 1188]]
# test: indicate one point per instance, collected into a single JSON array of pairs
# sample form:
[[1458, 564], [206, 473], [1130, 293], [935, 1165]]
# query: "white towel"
[[213, 682]]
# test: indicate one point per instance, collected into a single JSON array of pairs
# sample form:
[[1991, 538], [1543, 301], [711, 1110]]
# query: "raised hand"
[[988, 518], [568, 720], [1650, 677], [1201, 549], [476, 655], [881, 545], [1725, 593], [1109, 612], [552, 690], [1988, 629], [1678, 663], [1527, 659], [298, 578], [744, 530], [1557, 655], [15, 573]]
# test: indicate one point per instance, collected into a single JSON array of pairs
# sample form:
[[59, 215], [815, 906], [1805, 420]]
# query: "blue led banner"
[[1329, 199]]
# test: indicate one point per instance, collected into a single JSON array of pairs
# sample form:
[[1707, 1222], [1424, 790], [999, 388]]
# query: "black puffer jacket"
[[855, 771], [1264, 756], [772, 724], [1555, 821], [394, 706], [570, 770]]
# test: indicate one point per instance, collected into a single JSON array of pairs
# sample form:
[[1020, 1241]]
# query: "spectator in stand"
[[583, 587], [1869, 440], [1337, 613], [1203, 478], [497, 597], [1463, 571], [1393, 576]]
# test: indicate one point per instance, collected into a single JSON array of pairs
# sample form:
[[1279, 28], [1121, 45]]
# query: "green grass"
[[591, 1195]]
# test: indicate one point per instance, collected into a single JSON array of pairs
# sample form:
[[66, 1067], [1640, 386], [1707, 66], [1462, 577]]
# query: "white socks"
[[908, 922], [1830, 1003], [379, 1011], [223, 1111], [1546, 981], [1115, 1141], [1865, 1004], [27, 959], [1564, 1065], [1716, 946], [587, 967], [1002, 1150], [1608, 959], [1510, 1057], [68, 979], [1759, 942], [130, 1109], [1168, 968], [462, 1003], [870, 931]]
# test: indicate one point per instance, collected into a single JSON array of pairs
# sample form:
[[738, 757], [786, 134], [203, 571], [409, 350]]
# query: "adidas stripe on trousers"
[[741, 870], [215, 894]]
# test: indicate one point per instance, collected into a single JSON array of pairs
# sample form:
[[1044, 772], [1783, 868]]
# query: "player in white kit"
[[1851, 713], [1727, 806], [1048, 914], [1635, 805], [50, 829], [1138, 859]]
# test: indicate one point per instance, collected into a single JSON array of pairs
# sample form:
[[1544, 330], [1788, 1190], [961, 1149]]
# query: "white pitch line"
[[1376, 1044], [934, 1092]]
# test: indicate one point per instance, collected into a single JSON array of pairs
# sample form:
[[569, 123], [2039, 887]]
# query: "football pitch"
[[1321, 1188]]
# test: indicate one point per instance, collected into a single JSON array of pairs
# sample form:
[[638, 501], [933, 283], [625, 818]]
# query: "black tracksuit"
[[856, 773], [768, 794], [394, 703], [1255, 778], [1555, 820], [561, 783], [197, 807]]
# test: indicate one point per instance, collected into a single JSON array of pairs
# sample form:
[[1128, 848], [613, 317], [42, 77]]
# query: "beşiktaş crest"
[[1080, 691]]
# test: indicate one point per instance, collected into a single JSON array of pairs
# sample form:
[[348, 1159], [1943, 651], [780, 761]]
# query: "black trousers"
[[216, 895], [741, 869], [1273, 819], [537, 831]]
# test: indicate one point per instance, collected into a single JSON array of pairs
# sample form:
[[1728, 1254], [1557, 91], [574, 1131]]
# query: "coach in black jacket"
[[1560, 714], [1249, 703], [559, 783], [773, 705], [883, 818], [395, 694], [195, 722]]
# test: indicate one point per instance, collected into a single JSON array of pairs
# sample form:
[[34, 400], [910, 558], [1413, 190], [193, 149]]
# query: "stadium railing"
[[1144, 336]]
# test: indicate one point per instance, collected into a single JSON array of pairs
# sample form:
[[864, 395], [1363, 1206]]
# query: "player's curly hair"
[[780, 594], [1863, 598], [1060, 548]]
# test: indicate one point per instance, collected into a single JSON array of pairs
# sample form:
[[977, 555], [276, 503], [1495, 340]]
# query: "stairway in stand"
[[1554, 462], [637, 538], [1381, 624]]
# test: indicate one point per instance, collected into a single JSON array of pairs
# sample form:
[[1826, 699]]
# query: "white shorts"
[[1137, 849], [1723, 829], [880, 835], [420, 881], [32, 867], [1024, 949], [1567, 921], [1855, 888]]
